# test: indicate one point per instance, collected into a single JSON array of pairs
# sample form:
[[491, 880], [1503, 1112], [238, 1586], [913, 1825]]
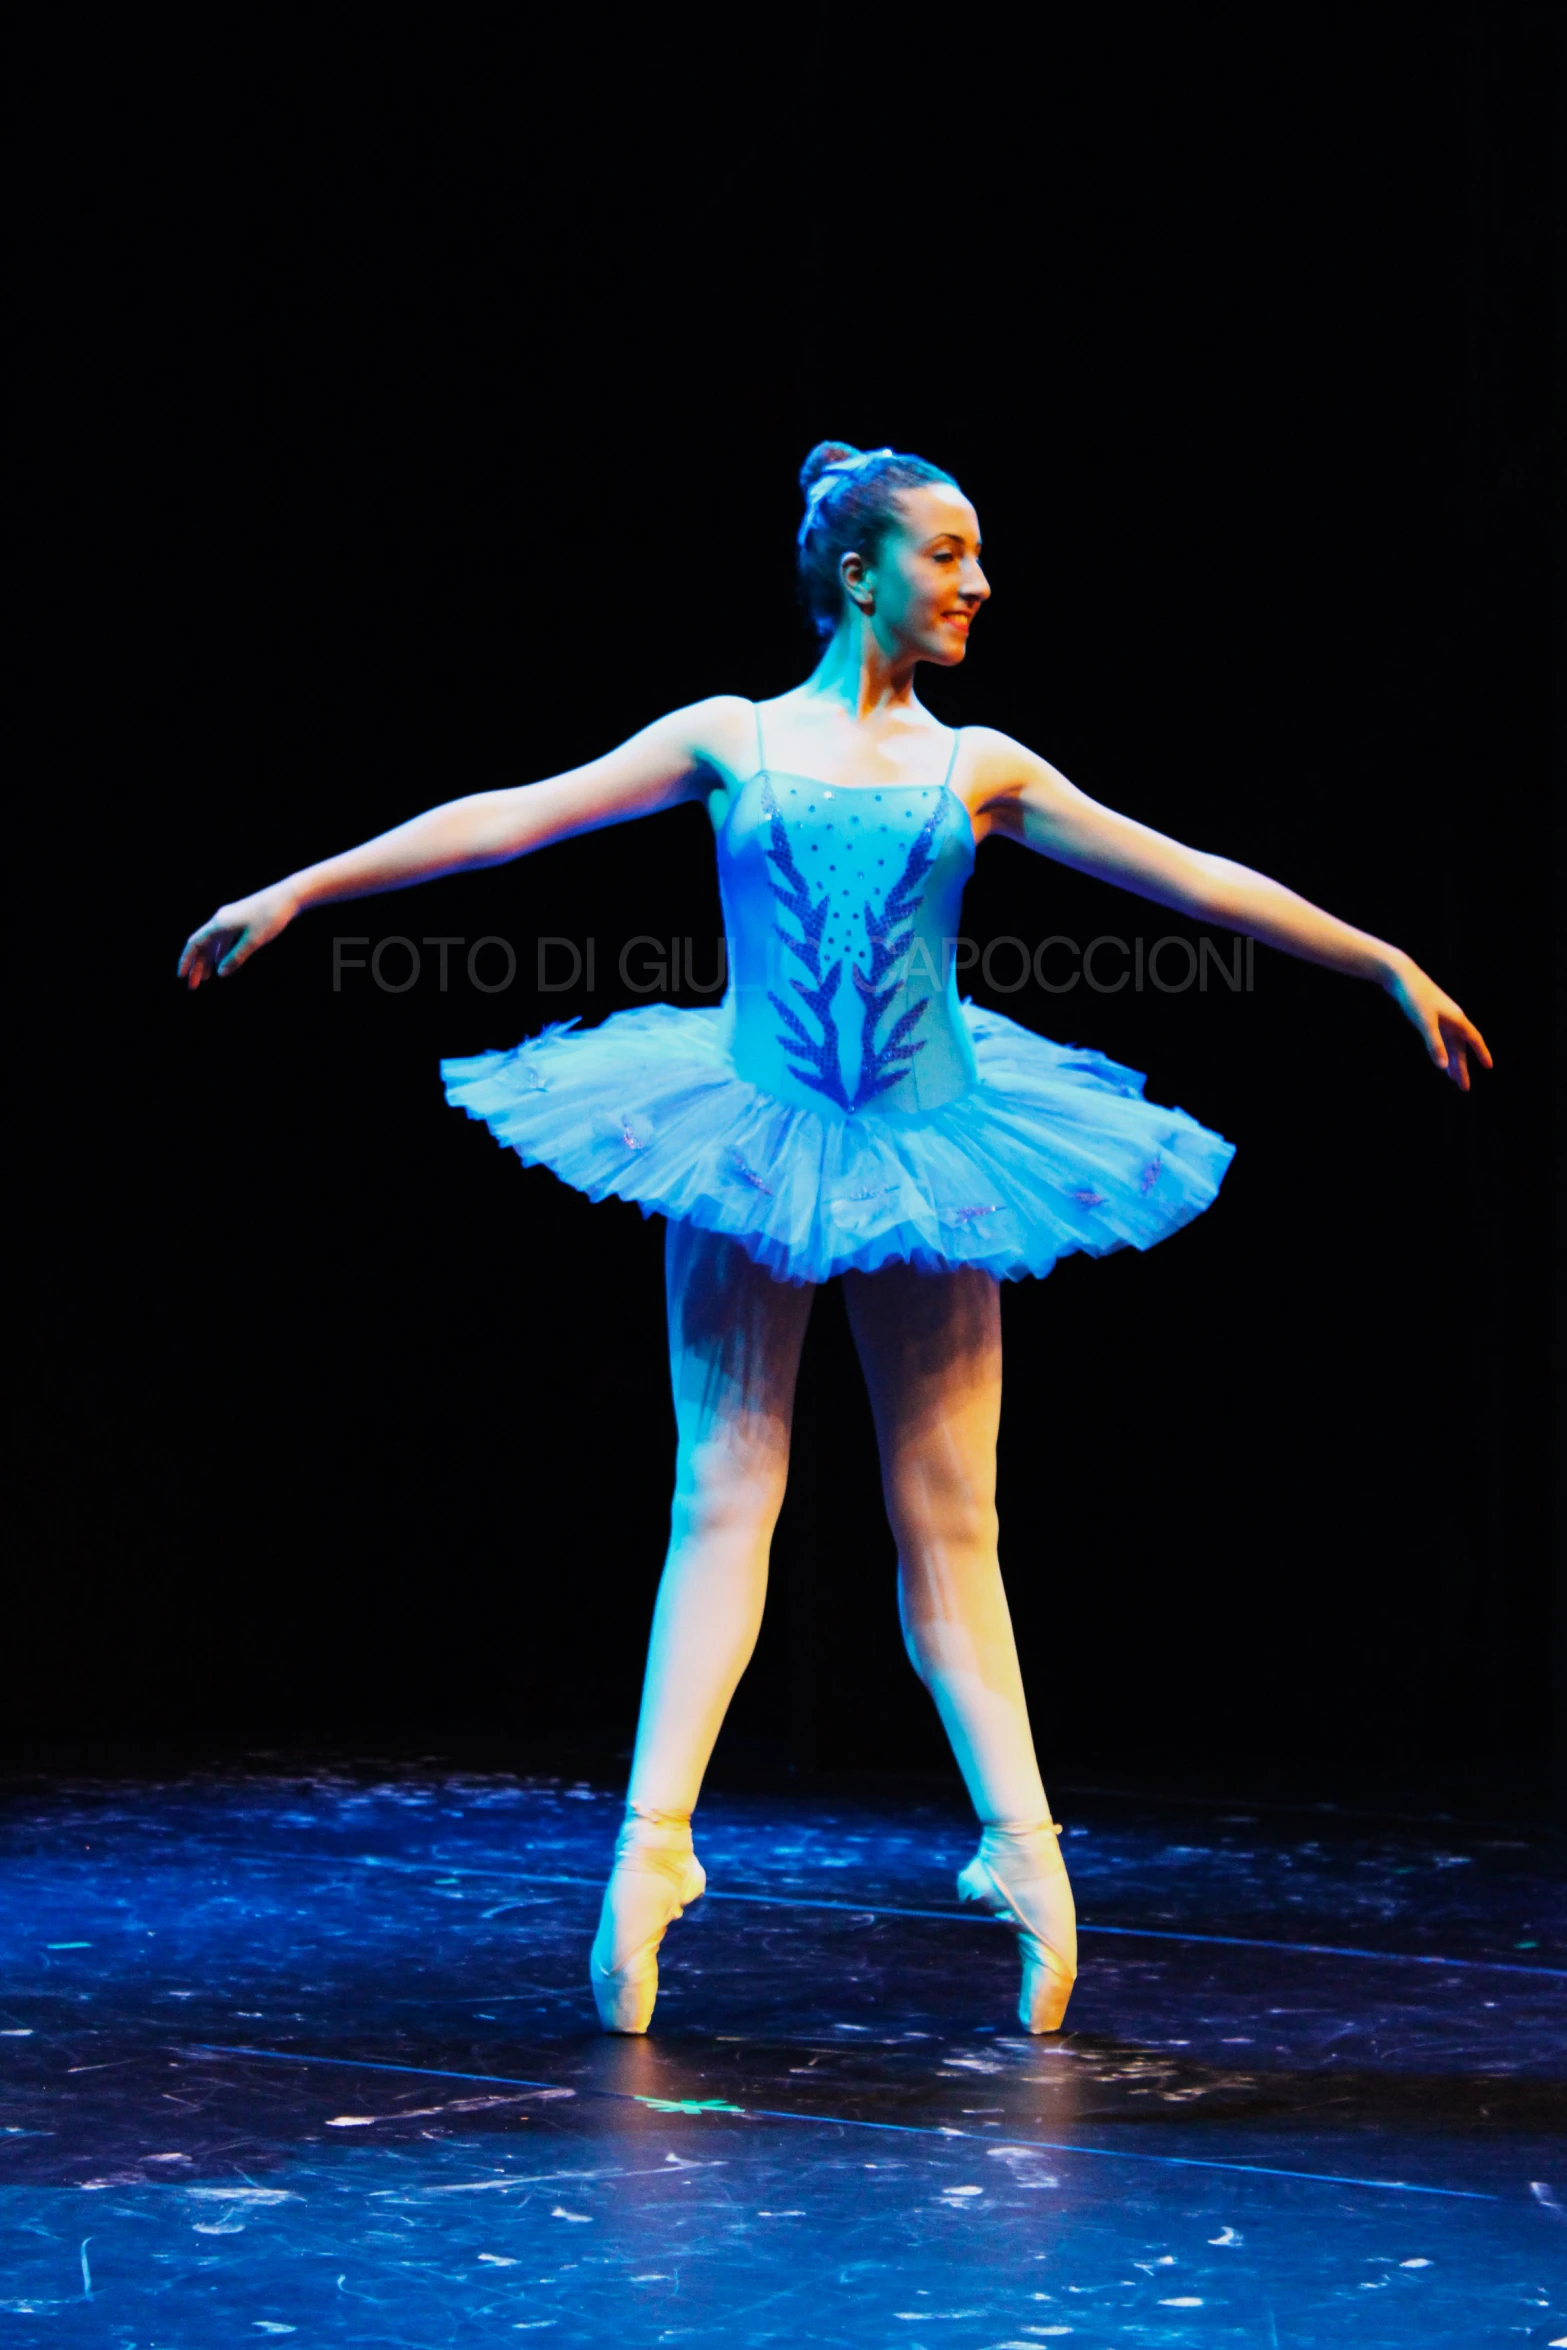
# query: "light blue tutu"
[[842, 1110], [1053, 1150]]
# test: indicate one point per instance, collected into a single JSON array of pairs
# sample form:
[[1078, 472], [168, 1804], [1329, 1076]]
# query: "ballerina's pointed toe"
[[1048, 1977], [624, 1992]]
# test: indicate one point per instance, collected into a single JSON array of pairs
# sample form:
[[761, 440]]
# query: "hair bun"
[[824, 454]]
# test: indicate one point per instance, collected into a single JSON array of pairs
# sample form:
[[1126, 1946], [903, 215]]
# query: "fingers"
[[1477, 1045], [1461, 1037], [215, 950], [243, 945], [195, 956], [1450, 1058], [1450, 1037]]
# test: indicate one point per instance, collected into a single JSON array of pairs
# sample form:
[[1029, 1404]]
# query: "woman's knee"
[[941, 1512], [727, 1487]]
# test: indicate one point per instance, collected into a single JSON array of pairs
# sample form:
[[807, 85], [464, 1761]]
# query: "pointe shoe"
[[655, 1875], [1019, 1875]]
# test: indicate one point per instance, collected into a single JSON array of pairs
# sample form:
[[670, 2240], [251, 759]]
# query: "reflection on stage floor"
[[310, 2051]]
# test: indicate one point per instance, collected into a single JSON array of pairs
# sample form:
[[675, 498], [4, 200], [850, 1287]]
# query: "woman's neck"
[[857, 674]]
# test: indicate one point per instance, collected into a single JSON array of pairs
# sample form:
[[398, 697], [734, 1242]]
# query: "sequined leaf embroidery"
[[822, 1071], [888, 933], [747, 1174]]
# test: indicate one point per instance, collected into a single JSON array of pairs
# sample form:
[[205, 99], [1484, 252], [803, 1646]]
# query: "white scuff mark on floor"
[[244, 2195]]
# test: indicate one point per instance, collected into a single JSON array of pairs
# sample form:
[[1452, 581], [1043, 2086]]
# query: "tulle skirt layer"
[[1053, 1150]]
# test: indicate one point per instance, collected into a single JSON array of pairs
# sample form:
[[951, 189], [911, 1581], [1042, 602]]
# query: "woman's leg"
[[735, 1336], [930, 1347]]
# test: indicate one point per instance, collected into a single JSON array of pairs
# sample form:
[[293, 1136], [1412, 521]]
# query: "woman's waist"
[[835, 1041]]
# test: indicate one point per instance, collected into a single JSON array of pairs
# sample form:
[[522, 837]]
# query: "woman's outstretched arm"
[[655, 769], [1022, 796]]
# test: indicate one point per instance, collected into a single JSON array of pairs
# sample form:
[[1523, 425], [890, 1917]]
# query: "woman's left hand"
[[1450, 1035]]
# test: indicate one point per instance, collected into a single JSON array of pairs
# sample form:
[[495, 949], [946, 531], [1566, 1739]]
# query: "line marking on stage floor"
[[845, 2121], [946, 1917]]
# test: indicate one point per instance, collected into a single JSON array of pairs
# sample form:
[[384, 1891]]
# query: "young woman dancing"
[[843, 1113]]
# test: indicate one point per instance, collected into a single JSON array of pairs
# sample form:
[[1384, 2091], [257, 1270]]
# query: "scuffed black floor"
[[312, 2053]]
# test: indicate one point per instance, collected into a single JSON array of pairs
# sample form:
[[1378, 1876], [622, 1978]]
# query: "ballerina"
[[843, 1113]]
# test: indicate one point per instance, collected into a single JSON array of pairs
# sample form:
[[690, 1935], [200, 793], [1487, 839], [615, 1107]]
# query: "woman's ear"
[[858, 581]]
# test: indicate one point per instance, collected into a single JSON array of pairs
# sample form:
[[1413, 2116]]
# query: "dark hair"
[[852, 516]]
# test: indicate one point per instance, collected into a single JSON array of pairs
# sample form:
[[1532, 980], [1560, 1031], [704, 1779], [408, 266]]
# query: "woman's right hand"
[[234, 934]]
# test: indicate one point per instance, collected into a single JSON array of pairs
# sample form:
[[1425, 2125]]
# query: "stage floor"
[[311, 2053]]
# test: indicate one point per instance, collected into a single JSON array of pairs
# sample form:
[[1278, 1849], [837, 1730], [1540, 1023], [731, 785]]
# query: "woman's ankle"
[[646, 1829], [1031, 1845]]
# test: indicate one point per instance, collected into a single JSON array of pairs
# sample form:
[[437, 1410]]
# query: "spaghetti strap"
[[957, 738], [761, 754]]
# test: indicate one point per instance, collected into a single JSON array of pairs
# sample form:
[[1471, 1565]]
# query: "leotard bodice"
[[841, 920]]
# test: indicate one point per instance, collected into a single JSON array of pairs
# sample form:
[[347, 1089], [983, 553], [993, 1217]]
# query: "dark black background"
[[413, 410]]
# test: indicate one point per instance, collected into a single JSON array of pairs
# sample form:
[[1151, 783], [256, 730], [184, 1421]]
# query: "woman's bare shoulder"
[[721, 732], [993, 766], [996, 756]]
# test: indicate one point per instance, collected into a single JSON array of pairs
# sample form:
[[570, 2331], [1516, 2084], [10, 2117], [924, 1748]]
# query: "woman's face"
[[921, 594]]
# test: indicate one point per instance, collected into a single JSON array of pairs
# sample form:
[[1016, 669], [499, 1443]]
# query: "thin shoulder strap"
[[761, 754], [957, 739]]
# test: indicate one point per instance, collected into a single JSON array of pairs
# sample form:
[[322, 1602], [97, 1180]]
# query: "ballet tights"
[[930, 1349]]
